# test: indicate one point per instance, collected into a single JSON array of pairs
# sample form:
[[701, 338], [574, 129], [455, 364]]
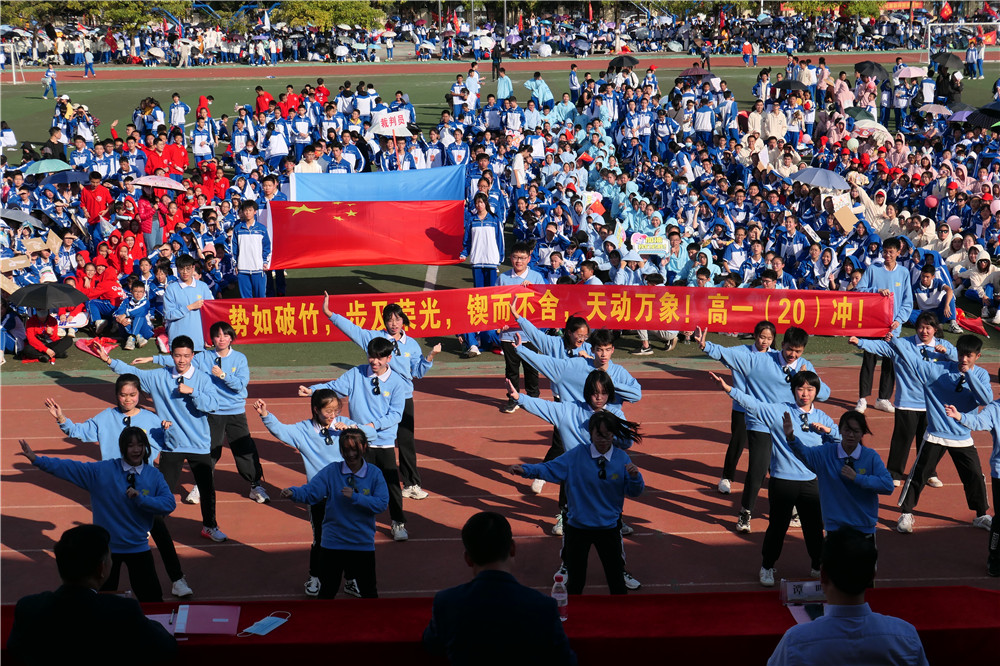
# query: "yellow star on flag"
[[352, 213], [302, 209], [338, 218]]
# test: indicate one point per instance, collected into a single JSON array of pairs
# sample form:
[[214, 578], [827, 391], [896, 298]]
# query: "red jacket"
[[156, 161], [95, 201], [177, 156], [39, 333], [264, 100]]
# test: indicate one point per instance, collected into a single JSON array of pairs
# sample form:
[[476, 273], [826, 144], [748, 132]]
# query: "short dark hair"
[[806, 377], [379, 348], [891, 244], [927, 319], [598, 378], [487, 538], [128, 379], [185, 261], [80, 552], [968, 344], [182, 342], [601, 338], [223, 327], [849, 559], [394, 309], [521, 247], [765, 325], [795, 337], [858, 418], [130, 433]]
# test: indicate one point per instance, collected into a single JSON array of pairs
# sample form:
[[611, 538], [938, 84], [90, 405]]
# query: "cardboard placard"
[[18, 262], [846, 218], [34, 245]]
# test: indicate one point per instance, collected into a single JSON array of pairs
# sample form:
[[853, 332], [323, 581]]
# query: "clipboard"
[[199, 619]]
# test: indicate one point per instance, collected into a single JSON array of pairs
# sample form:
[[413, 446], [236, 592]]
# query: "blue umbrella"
[[821, 178], [65, 178]]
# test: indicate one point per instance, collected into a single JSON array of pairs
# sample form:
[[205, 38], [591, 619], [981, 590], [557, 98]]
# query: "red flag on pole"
[[989, 10], [946, 11], [520, 22], [590, 11], [722, 19], [990, 38]]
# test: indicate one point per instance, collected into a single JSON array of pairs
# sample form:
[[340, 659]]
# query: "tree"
[[326, 14]]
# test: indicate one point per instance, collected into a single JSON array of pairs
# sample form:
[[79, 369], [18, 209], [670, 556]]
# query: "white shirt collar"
[[345, 470], [187, 375], [129, 468], [185, 285], [841, 453], [384, 376], [595, 454]]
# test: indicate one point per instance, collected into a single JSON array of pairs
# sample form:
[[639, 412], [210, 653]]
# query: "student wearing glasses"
[[377, 396], [793, 485], [317, 440], [354, 492], [126, 493], [106, 428], [597, 477]]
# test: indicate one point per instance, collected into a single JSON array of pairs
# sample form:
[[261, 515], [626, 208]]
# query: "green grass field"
[[25, 111]]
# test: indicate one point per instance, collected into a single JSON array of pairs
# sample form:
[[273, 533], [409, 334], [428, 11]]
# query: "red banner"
[[447, 312], [946, 11], [332, 233]]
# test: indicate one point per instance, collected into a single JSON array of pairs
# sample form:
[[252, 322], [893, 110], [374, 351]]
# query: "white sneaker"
[[259, 495], [140, 341], [312, 586], [905, 523], [725, 486], [130, 343], [557, 529], [743, 522], [626, 529], [884, 405], [896, 483], [414, 492], [996, 318], [471, 352], [214, 533], [193, 497], [814, 573], [537, 485], [861, 406], [351, 588], [954, 327], [935, 482], [399, 532], [795, 522], [630, 582], [180, 588], [984, 521], [767, 577]]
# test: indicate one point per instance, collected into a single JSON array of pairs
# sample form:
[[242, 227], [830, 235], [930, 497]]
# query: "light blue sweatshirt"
[[569, 375], [189, 432], [941, 382], [384, 410], [770, 381], [179, 320], [307, 437], [571, 419], [106, 427], [549, 345], [738, 360], [349, 523], [594, 503], [127, 519], [846, 503], [785, 464], [988, 419], [877, 277], [231, 389], [407, 361], [909, 388]]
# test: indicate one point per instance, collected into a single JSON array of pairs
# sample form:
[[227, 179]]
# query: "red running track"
[[684, 539]]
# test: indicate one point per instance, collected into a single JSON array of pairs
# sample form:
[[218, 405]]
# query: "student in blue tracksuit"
[[182, 303], [519, 275], [354, 492], [106, 428], [252, 252], [316, 439], [963, 385], [910, 417], [229, 371], [793, 485], [409, 363], [572, 342], [483, 246], [377, 396], [598, 476], [851, 476], [126, 493], [182, 395], [731, 357], [133, 316]]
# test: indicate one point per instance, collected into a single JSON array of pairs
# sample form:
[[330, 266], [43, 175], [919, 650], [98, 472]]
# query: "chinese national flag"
[[989, 10], [990, 38], [946, 11]]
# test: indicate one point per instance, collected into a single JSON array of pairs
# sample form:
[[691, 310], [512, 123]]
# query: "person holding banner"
[[483, 247], [409, 363]]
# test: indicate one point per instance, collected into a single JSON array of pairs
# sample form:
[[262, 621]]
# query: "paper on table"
[[207, 619], [165, 620]]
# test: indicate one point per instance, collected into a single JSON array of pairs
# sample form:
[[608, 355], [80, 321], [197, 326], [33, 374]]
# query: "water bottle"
[[561, 596]]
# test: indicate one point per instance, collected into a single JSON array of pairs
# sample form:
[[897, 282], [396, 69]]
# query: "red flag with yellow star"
[[368, 219]]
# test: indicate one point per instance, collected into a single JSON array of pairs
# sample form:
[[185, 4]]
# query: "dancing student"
[[354, 492], [316, 440], [230, 374], [764, 334], [125, 495], [409, 363], [792, 484], [597, 477], [910, 415], [106, 428]]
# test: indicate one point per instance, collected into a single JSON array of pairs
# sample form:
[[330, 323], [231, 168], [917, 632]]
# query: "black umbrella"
[[623, 61], [18, 217], [980, 119], [65, 178], [47, 296], [872, 69], [961, 106], [949, 60], [992, 109], [790, 84]]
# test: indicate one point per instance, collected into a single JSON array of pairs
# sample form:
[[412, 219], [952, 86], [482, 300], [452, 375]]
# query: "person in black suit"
[[493, 619], [75, 621]]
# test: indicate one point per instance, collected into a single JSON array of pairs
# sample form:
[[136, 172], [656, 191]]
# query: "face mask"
[[693, 198], [265, 626]]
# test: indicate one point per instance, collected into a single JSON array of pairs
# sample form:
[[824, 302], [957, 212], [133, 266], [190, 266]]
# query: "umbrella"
[[544, 51], [447, 33], [513, 39], [949, 60], [161, 182], [358, 46], [960, 116], [344, 26], [581, 45], [341, 50], [47, 296], [391, 131], [935, 109], [623, 61], [821, 178], [642, 33], [675, 47], [696, 71], [157, 52], [65, 178], [912, 73], [961, 106], [487, 42], [866, 124], [859, 113], [992, 109], [427, 46], [46, 166], [19, 217], [790, 84], [980, 119], [420, 23], [389, 33], [872, 69]]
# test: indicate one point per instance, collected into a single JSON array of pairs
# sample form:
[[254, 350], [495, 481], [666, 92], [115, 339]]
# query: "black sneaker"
[[510, 407], [743, 523]]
